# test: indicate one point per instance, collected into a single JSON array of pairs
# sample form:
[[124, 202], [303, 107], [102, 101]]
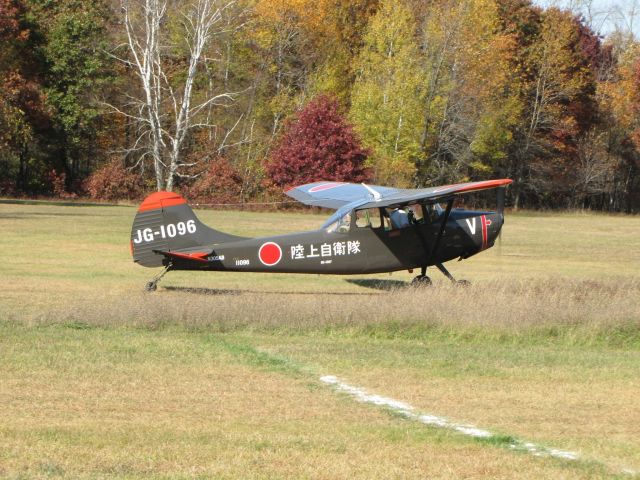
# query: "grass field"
[[218, 375]]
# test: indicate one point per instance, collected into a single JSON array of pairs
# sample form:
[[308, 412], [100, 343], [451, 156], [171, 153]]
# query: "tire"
[[421, 281]]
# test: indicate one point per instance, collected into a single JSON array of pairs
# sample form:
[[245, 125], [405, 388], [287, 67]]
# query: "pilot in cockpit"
[[345, 223], [399, 218], [342, 225]]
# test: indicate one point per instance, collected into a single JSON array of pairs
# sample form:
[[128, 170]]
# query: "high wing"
[[338, 195], [435, 194]]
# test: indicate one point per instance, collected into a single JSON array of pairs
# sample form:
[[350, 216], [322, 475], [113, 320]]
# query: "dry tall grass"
[[593, 308]]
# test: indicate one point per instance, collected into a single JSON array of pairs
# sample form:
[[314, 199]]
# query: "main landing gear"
[[152, 286], [423, 281]]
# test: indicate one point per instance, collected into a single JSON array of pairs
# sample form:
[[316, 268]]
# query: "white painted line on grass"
[[406, 410]]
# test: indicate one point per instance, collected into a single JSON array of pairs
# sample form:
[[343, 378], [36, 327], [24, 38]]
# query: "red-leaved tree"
[[113, 181], [220, 183], [318, 144]]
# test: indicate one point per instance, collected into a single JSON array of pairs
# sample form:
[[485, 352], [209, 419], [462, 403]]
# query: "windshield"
[[434, 211], [342, 225]]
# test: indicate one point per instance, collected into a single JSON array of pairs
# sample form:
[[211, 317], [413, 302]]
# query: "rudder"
[[165, 222]]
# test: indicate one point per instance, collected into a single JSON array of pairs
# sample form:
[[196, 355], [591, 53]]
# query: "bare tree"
[[594, 169], [602, 17], [455, 101], [166, 110], [625, 18]]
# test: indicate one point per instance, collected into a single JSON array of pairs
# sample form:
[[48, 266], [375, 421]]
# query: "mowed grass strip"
[[581, 398], [130, 403]]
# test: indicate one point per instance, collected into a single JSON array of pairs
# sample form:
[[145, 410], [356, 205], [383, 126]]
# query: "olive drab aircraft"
[[374, 229]]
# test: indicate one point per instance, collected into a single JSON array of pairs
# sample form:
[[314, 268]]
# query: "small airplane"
[[374, 229]]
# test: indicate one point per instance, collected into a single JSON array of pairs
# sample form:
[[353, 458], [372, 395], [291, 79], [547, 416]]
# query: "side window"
[[434, 212], [341, 225], [385, 219], [399, 217], [416, 214], [369, 217]]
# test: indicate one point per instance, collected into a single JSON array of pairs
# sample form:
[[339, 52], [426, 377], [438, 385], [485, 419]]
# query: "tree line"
[[233, 100]]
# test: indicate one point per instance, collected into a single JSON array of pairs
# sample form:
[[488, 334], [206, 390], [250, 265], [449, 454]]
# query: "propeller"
[[500, 200], [501, 196]]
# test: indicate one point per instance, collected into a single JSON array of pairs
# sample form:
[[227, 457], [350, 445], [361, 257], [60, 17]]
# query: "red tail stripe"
[[161, 200]]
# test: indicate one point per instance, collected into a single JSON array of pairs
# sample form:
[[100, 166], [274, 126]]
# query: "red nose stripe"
[[483, 218]]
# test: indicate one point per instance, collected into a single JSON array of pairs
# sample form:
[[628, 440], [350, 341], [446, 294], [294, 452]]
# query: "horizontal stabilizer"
[[193, 256]]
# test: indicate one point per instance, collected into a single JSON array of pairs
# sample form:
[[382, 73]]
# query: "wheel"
[[421, 281], [151, 287], [463, 283]]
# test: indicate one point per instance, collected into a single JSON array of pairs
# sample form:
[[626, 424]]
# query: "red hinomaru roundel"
[[270, 253]]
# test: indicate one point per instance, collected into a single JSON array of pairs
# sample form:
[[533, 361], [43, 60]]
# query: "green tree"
[[23, 114], [388, 94], [343, 39], [77, 70]]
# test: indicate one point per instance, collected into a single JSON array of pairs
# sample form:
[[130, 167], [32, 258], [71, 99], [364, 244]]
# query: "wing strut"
[[436, 244]]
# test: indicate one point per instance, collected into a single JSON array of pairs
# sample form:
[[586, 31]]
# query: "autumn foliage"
[[220, 183], [59, 185], [23, 112], [318, 144], [404, 93], [114, 182]]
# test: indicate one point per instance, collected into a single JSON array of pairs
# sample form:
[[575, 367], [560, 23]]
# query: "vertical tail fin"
[[165, 222]]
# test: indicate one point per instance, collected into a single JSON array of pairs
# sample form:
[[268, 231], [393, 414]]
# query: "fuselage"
[[354, 250]]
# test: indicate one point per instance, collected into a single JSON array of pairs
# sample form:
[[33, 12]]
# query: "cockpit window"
[[342, 225], [416, 214], [369, 217], [403, 217], [434, 212], [399, 217]]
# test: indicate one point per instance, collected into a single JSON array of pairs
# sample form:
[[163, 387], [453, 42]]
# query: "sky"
[[604, 16]]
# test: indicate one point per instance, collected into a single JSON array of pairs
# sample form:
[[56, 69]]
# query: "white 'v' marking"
[[472, 225]]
